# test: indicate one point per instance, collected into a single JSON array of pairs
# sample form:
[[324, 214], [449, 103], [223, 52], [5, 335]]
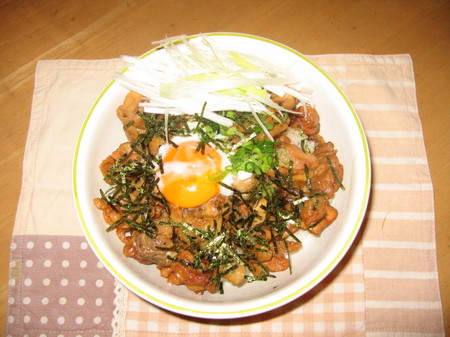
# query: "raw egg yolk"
[[188, 178]]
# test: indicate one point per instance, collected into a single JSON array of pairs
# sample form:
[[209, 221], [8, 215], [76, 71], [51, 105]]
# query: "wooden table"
[[33, 30]]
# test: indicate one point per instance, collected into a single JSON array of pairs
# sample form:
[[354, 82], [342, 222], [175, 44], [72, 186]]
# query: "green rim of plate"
[[260, 308]]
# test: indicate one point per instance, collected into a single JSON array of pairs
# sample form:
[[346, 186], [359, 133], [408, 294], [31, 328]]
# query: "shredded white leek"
[[243, 141], [301, 200], [267, 133], [166, 125], [195, 72]]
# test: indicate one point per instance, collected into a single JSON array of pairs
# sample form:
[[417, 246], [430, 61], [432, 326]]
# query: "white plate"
[[102, 132]]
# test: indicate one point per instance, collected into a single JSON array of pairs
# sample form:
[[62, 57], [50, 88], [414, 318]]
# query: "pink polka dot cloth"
[[386, 286], [62, 285]]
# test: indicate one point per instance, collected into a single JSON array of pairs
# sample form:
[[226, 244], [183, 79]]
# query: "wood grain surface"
[[33, 30]]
